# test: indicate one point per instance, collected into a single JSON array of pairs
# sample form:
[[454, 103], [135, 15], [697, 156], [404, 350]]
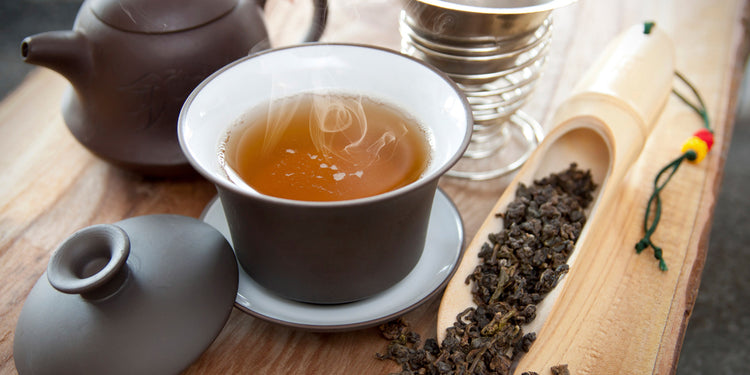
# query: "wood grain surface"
[[609, 319]]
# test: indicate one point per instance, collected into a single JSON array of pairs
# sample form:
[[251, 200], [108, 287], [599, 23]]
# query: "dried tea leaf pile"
[[519, 265]]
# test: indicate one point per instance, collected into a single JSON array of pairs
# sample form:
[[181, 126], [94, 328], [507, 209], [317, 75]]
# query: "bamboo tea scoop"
[[603, 127]]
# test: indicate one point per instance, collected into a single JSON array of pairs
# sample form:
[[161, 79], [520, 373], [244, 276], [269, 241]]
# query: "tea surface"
[[315, 147]]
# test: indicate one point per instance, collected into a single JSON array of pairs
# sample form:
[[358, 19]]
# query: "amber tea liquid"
[[315, 147]]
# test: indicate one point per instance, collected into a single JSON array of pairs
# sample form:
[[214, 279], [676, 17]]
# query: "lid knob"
[[89, 259]]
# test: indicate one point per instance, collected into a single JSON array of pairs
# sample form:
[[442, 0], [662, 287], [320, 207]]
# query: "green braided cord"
[[647, 26], [654, 202], [700, 108]]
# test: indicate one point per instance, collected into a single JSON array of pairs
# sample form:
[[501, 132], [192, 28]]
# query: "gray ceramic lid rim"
[[156, 17]]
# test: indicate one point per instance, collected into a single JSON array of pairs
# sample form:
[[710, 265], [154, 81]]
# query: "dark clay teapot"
[[132, 63]]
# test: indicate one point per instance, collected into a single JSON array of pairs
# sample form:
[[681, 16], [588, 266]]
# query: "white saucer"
[[442, 251]]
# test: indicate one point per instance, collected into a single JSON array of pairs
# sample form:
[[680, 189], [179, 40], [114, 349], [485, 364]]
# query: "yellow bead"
[[698, 145]]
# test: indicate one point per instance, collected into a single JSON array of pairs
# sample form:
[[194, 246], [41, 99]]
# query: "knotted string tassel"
[[693, 150]]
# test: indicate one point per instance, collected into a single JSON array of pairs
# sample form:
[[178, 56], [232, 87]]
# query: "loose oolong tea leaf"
[[519, 265], [560, 370], [556, 370]]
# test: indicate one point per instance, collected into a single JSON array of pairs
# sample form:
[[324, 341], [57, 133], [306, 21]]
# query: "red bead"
[[706, 136]]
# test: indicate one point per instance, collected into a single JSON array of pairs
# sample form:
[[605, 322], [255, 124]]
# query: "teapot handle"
[[320, 17]]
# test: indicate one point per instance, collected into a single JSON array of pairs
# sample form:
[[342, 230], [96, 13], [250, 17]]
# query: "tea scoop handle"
[[635, 73], [625, 90], [320, 18], [88, 260]]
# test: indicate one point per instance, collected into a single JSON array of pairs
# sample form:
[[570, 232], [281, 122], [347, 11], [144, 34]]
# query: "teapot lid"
[[157, 17], [146, 295]]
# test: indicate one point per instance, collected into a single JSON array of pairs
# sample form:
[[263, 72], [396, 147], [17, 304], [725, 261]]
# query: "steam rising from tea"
[[316, 147]]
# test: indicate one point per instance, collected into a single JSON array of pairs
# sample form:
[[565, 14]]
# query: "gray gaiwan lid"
[[146, 295]]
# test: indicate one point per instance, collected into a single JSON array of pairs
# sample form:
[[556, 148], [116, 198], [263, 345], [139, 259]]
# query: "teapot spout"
[[66, 52]]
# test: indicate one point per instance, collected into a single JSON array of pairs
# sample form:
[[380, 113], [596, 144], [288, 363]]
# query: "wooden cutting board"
[[622, 316]]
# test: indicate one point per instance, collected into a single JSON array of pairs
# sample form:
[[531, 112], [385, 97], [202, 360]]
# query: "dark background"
[[718, 336]]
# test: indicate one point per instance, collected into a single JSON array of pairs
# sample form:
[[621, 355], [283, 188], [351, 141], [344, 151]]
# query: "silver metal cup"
[[495, 50]]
